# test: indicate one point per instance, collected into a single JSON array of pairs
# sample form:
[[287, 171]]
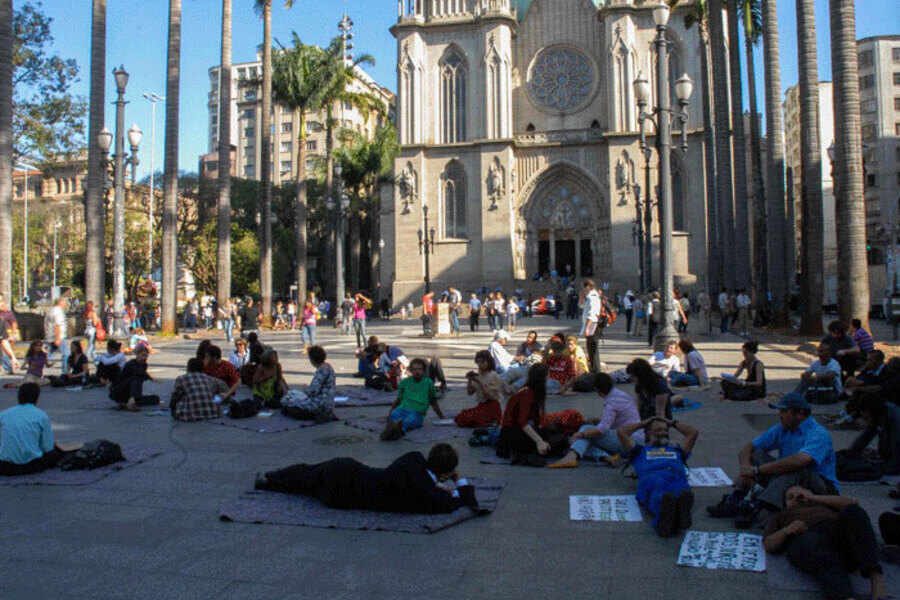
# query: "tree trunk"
[[742, 264], [170, 195], [375, 243], [723, 145], [850, 199], [812, 226], [355, 249], [777, 231], [223, 213], [94, 206], [713, 249], [6, 149], [265, 163], [760, 262], [300, 208], [330, 258]]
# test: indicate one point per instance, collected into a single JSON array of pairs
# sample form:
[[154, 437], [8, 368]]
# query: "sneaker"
[[727, 508], [667, 523], [685, 504], [746, 516]]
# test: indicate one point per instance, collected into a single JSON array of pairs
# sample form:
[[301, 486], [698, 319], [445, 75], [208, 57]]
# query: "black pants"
[[832, 549], [652, 326], [47, 461], [108, 372], [593, 357], [772, 497], [473, 322], [435, 372], [514, 440], [66, 380], [629, 315], [426, 325]]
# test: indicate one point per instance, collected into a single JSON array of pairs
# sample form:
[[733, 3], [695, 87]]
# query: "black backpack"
[[244, 409], [92, 455]]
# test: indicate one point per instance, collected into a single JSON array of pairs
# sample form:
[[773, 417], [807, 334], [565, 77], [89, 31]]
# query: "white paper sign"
[[604, 508], [722, 550], [708, 477]]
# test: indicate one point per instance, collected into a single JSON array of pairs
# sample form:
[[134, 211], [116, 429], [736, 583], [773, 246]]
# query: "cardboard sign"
[[708, 477], [728, 550], [604, 508]]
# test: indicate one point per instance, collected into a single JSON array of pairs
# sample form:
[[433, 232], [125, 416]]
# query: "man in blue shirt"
[[26, 440], [805, 456], [663, 488]]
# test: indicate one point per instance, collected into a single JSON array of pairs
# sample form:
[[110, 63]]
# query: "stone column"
[[552, 250], [577, 254]]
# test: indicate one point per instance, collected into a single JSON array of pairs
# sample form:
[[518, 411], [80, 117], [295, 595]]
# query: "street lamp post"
[[637, 234], [648, 217], [339, 209], [26, 167], [153, 97], [120, 161], [664, 116], [426, 247]]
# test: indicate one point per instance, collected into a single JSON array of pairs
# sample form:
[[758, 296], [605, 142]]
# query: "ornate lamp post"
[[663, 117], [119, 162], [339, 229], [426, 247]]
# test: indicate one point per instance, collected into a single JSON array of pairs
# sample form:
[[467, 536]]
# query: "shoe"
[[746, 516], [727, 508], [261, 482], [667, 523], [478, 440], [393, 430], [895, 494], [685, 505]]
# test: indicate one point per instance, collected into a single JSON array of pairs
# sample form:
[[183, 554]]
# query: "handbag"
[[100, 334]]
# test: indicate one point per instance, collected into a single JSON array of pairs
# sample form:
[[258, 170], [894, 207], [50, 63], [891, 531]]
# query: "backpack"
[[92, 455], [243, 409]]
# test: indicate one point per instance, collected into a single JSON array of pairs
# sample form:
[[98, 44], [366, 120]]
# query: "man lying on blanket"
[[411, 484], [663, 488], [414, 396]]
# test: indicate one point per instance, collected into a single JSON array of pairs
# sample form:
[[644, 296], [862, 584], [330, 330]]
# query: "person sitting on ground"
[[805, 455], [198, 396], [202, 347], [368, 357], [510, 369], [694, 368], [128, 390], [255, 351], [653, 393], [660, 466], [882, 421], [601, 440], [584, 379], [411, 484], [843, 349], [754, 386], [520, 434], [26, 438], [240, 356], [827, 537], [529, 352], [214, 366], [316, 402], [35, 361], [487, 388], [109, 365], [268, 384], [137, 340], [821, 382], [78, 367], [665, 362], [391, 367], [415, 394], [869, 374], [863, 340], [560, 368]]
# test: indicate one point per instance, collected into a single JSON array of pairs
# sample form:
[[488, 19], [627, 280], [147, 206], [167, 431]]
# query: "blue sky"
[[137, 30]]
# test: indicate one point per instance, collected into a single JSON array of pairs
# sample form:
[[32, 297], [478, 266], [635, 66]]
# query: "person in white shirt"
[[743, 305], [56, 331], [666, 362], [628, 309], [703, 306], [723, 310], [510, 369], [512, 311], [590, 320], [474, 312]]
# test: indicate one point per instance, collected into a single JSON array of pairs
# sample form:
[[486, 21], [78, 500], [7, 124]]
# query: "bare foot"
[[569, 461]]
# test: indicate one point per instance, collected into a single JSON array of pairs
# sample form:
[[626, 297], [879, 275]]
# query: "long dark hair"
[[645, 378], [537, 383]]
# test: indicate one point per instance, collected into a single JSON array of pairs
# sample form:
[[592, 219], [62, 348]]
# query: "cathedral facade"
[[519, 132]]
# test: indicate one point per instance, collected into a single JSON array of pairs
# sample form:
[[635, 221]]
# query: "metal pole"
[[25, 250], [648, 224], [339, 246], [55, 231], [427, 252], [640, 236], [153, 97], [667, 331], [119, 217]]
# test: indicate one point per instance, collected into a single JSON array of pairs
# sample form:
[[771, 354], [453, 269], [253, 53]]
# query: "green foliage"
[[48, 120], [751, 14], [300, 74], [365, 163]]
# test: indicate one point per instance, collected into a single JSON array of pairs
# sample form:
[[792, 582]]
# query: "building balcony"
[[559, 137]]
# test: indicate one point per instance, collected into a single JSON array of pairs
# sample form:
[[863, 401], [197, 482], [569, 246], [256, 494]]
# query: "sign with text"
[[604, 508], [708, 477], [722, 550]]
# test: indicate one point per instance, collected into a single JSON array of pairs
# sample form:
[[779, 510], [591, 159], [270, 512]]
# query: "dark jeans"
[[514, 440], [652, 326], [593, 357], [831, 550], [426, 325], [47, 461], [435, 372], [629, 315], [773, 495], [473, 322]]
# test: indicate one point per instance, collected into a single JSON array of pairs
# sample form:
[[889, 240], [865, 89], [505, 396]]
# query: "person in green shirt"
[[414, 395]]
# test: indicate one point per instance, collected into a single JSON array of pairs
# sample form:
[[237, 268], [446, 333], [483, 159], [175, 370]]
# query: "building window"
[[897, 103], [285, 166], [313, 127], [895, 53], [310, 164], [896, 128], [897, 152], [20, 190], [287, 127], [249, 114], [249, 132], [285, 110], [867, 82], [250, 95], [870, 180], [453, 98], [896, 78], [866, 59], [286, 146], [311, 145], [249, 171], [348, 105], [453, 190], [868, 106], [868, 132]]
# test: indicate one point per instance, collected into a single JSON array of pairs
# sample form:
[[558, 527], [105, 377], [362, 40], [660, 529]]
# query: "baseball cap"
[[792, 400]]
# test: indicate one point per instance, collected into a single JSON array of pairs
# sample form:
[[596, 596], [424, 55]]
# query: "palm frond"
[[751, 14]]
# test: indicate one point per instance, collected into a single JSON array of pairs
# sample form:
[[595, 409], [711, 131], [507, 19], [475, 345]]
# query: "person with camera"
[[487, 387]]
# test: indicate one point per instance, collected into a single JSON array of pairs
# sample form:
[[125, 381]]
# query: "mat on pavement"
[[134, 455]]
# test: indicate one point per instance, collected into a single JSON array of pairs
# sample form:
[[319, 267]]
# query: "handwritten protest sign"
[[708, 477], [604, 508], [722, 550]]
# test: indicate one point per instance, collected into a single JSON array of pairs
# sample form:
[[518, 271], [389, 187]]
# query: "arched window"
[[530, 128], [453, 198], [453, 98]]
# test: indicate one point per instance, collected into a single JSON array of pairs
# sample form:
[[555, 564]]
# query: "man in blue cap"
[[805, 456]]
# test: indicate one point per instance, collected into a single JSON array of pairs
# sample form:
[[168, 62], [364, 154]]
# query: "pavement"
[[152, 531]]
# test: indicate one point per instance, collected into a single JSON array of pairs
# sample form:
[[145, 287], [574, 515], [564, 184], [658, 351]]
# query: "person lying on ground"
[[827, 537], [882, 421], [660, 466], [26, 438], [653, 393], [601, 440], [820, 383], [560, 368], [128, 390], [487, 388], [693, 371], [411, 484], [316, 402], [78, 367], [754, 385], [198, 396], [415, 394], [214, 366]]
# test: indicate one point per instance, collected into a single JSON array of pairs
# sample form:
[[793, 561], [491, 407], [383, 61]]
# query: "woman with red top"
[[560, 368], [520, 433], [487, 387]]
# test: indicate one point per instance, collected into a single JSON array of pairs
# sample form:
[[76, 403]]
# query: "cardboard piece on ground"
[[727, 550], [604, 508], [708, 477]]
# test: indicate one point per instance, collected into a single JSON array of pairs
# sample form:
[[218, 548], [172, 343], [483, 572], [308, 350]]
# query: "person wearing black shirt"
[[411, 484], [127, 391], [77, 368], [248, 318]]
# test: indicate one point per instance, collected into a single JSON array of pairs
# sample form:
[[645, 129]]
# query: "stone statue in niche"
[[520, 248], [495, 183], [407, 181], [624, 178]]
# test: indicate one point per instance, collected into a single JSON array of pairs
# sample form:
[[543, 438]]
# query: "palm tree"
[[751, 16], [698, 13], [95, 214], [6, 147], [850, 199], [264, 8], [723, 144], [169, 295], [223, 187], [742, 264], [812, 226], [300, 75], [777, 230]]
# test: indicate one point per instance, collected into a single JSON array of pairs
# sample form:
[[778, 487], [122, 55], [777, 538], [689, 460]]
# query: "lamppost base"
[[664, 337], [119, 329]]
